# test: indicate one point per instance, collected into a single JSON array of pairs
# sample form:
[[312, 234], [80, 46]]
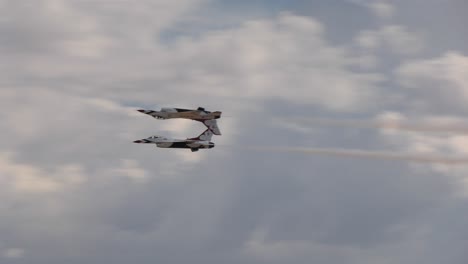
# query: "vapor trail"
[[356, 153], [433, 126]]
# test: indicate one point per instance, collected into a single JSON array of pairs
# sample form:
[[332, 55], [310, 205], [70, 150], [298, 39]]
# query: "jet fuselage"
[[169, 113], [162, 142]]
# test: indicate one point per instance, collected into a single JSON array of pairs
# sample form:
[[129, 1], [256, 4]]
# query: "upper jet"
[[200, 114]]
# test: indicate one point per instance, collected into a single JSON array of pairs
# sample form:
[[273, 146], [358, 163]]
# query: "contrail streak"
[[434, 126], [356, 153]]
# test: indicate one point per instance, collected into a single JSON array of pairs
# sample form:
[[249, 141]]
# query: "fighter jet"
[[194, 144], [200, 114]]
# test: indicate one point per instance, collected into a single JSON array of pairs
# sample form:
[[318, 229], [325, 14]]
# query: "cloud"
[[131, 170], [356, 153], [13, 253], [281, 59], [394, 38], [259, 58], [388, 121], [52, 26], [439, 83], [382, 9], [76, 190], [443, 144], [434, 90], [276, 251], [24, 178]]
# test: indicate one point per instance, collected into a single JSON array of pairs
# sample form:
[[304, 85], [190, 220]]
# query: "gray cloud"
[[76, 190], [438, 83]]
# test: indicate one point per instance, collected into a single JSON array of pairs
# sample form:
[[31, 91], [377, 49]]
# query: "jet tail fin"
[[212, 125], [205, 136]]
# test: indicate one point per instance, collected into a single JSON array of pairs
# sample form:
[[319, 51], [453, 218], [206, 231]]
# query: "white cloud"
[[394, 38], [287, 59], [13, 253], [431, 139], [382, 9], [132, 170], [368, 39], [401, 41], [72, 68], [439, 83], [279, 251], [24, 178]]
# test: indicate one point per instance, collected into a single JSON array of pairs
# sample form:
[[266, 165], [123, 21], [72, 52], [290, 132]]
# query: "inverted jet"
[[200, 114]]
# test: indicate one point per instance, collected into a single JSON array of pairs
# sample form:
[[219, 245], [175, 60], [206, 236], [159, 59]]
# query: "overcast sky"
[[328, 74]]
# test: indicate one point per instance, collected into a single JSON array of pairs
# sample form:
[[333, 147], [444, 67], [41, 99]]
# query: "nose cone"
[[141, 111], [211, 145], [138, 141]]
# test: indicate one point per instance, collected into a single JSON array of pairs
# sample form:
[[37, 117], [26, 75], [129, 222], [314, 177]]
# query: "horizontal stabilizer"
[[155, 114]]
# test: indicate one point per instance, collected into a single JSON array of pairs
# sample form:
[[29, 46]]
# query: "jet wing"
[[169, 113]]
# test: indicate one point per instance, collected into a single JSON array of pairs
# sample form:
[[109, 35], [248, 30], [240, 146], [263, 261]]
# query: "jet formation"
[[203, 141]]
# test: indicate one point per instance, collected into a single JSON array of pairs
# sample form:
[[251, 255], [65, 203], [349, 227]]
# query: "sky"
[[340, 119]]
